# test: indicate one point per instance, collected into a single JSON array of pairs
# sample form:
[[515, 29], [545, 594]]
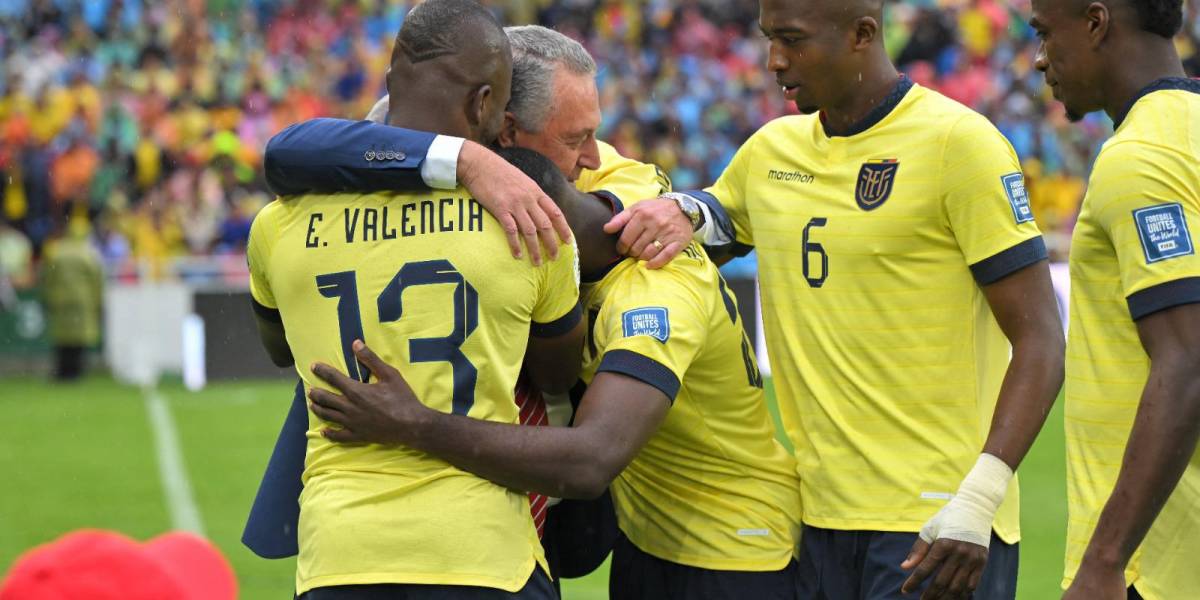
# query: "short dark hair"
[[1160, 17], [436, 27], [541, 170]]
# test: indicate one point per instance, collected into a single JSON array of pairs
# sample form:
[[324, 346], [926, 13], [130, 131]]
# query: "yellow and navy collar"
[[1158, 85], [877, 114]]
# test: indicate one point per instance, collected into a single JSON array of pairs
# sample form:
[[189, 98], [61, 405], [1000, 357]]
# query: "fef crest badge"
[[875, 180]]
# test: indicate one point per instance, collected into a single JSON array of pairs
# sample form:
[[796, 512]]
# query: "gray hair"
[[537, 52]]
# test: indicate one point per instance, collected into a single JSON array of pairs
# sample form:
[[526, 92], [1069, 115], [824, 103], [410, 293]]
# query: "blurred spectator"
[[150, 117], [16, 265], [72, 288]]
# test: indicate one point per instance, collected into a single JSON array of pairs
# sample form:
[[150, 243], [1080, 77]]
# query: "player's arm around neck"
[[955, 541], [333, 155], [616, 417], [1161, 443]]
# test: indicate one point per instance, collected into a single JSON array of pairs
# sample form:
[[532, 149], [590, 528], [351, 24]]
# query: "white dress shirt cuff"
[[439, 170]]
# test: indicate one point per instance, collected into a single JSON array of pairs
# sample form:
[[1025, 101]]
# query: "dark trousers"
[[637, 575], [1133, 594], [68, 362], [865, 565], [537, 588]]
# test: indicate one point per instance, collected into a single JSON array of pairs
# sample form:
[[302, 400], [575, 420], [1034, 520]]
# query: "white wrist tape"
[[968, 516]]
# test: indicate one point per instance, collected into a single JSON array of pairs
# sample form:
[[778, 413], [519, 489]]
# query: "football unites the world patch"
[[1014, 187], [1163, 231], [875, 181], [650, 321]]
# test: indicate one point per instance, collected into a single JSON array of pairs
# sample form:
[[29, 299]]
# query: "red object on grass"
[[93, 564]]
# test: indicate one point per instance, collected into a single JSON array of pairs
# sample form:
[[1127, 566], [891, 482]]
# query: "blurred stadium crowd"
[[142, 123]]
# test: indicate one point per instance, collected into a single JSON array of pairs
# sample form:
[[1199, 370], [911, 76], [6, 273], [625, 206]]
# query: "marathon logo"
[[1163, 231], [790, 176], [1014, 187], [650, 321]]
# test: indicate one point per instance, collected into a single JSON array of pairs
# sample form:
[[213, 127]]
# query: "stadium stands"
[[149, 118]]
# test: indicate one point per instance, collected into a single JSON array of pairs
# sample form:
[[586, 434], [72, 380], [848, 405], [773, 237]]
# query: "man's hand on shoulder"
[[654, 230], [384, 412], [515, 200]]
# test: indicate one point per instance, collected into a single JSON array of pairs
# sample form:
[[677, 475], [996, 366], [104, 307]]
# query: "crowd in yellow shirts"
[[147, 119]]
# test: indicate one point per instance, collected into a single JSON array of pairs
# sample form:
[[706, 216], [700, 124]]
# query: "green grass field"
[[84, 455]]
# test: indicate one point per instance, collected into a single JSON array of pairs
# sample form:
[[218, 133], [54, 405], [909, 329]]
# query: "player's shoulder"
[[265, 222], [609, 153], [782, 135], [611, 161], [271, 210], [947, 116], [1167, 119], [785, 127], [685, 277], [1129, 155]]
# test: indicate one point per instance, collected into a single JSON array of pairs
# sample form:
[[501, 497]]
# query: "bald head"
[[845, 13], [451, 69], [439, 28]]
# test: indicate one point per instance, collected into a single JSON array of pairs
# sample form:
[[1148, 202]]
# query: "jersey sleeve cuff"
[[718, 227], [558, 326], [1164, 296], [1006, 262], [266, 313], [641, 368], [611, 198], [439, 170]]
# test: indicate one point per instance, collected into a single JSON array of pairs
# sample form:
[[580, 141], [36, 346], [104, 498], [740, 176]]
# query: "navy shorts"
[[865, 565], [537, 588], [637, 575]]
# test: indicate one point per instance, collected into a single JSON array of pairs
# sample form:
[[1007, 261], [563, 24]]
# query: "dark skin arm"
[[1024, 306], [275, 341], [616, 417], [1161, 443], [553, 363]]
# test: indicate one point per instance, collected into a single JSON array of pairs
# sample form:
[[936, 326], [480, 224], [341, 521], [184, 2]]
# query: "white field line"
[[181, 504]]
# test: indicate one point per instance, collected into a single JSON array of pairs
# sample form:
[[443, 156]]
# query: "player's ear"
[[508, 131], [477, 105], [866, 29], [1098, 21]]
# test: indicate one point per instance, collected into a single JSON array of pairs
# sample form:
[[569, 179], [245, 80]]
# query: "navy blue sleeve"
[[271, 528], [722, 222], [334, 155]]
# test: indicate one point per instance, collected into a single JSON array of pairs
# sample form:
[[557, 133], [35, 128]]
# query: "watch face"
[[690, 209]]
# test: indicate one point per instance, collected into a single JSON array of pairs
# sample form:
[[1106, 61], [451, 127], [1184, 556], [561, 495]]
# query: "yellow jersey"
[[1132, 254], [427, 280], [872, 247], [712, 488], [627, 179]]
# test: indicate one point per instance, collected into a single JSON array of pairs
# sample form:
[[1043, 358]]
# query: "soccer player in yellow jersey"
[[1132, 390], [550, 70], [673, 416], [898, 261], [428, 281]]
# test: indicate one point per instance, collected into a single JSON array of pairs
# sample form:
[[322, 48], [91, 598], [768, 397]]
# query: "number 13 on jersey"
[[344, 287]]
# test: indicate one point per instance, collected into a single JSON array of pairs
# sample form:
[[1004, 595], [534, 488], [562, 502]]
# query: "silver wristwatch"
[[689, 207]]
